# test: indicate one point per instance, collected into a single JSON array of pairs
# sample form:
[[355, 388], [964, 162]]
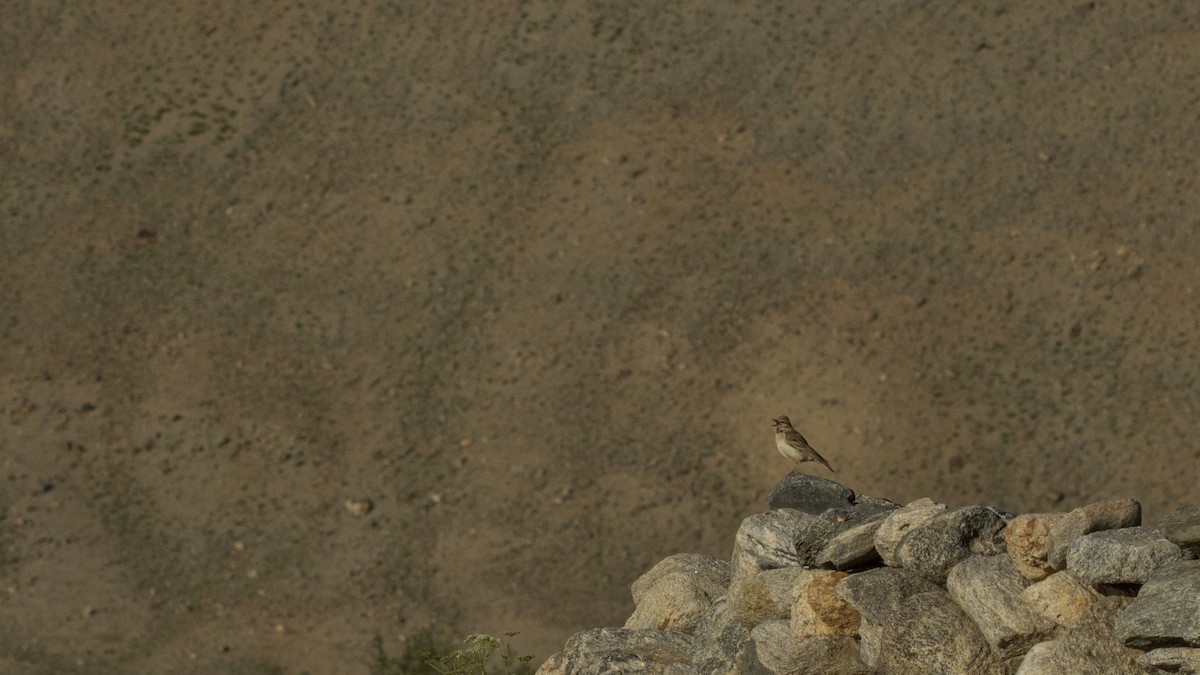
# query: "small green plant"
[[423, 656], [474, 658]]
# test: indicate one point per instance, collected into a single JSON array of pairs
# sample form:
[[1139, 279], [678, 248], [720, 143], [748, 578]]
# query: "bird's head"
[[782, 421]]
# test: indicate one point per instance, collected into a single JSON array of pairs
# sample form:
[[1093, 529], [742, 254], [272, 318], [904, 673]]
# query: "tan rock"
[[1060, 597], [677, 592], [765, 596], [1027, 539], [780, 652], [818, 610], [989, 590]]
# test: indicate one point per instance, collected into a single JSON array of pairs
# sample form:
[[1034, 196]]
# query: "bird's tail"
[[819, 458]]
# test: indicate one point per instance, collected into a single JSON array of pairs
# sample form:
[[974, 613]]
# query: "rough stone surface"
[[1182, 660], [1166, 613], [1088, 646], [745, 661], [816, 534], [602, 651], [899, 523], [767, 541], [766, 596], [852, 547], [988, 589], [820, 655], [1182, 527], [810, 494], [1027, 541], [817, 610], [958, 597], [711, 575], [678, 591], [877, 595], [1060, 597], [928, 635], [935, 546], [1108, 515], [718, 642], [1126, 556]]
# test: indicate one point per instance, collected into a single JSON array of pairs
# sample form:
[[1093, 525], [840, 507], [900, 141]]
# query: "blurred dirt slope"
[[535, 277]]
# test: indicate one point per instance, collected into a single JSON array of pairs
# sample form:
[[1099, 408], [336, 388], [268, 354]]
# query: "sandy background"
[[535, 277]]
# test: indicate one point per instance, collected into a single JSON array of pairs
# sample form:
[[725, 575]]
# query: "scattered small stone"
[[359, 507]]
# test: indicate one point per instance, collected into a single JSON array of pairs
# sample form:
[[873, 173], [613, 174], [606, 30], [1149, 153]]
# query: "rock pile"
[[833, 583]]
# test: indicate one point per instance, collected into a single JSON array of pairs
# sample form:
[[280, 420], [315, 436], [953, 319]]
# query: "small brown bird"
[[793, 446]]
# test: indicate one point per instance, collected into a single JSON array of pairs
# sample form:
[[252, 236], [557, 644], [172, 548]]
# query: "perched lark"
[[793, 446]]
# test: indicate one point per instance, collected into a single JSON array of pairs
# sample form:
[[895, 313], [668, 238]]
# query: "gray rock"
[[818, 533], [768, 541], [678, 591], [988, 589], [1027, 540], [602, 651], [1183, 660], [1088, 646], [877, 595], [935, 546], [852, 548], [899, 523], [1182, 527], [745, 662], [1125, 556], [822, 655], [810, 494], [719, 640], [1166, 613], [929, 635], [1109, 515]]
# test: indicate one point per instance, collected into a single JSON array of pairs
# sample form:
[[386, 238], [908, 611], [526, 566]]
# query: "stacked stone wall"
[[830, 582]]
